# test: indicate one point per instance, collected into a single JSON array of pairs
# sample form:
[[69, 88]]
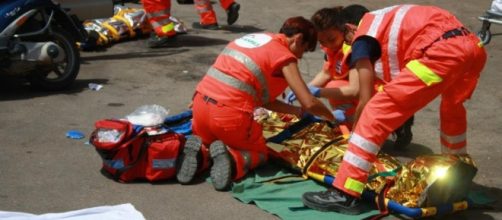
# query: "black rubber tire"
[[42, 80], [485, 36]]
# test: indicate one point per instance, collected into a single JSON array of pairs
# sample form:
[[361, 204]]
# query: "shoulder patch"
[[253, 40]]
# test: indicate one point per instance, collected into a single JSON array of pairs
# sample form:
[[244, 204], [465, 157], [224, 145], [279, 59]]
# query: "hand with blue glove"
[[339, 115], [314, 90]]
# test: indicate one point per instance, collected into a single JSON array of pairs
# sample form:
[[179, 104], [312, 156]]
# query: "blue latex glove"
[[290, 98], [314, 90], [339, 115]]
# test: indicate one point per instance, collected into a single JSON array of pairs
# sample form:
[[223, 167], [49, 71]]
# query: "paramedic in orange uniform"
[[421, 52], [334, 73], [208, 16], [159, 13], [252, 71]]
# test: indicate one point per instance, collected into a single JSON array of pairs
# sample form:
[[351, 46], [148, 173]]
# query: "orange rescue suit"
[[159, 13], [246, 75], [426, 52], [206, 12]]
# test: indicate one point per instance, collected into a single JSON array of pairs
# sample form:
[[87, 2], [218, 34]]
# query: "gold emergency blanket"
[[127, 23], [317, 151]]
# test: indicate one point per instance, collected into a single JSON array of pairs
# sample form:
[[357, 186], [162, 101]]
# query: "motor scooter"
[[38, 41]]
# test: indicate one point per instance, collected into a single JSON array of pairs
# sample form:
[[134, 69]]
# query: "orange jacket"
[[403, 31], [247, 74], [335, 62]]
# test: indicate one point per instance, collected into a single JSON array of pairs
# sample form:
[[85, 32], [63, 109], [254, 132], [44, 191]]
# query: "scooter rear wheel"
[[58, 76]]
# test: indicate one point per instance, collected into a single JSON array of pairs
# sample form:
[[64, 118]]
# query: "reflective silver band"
[[364, 144], [377, 20], [356, 161], [393, 40], [231, 81], [454, 139], [253, 68]]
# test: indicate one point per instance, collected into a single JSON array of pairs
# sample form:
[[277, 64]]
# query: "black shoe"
[[198, 25], [403, 134], [233, 13], [221, 171], [155, 41], [332, 200], [188, 160]]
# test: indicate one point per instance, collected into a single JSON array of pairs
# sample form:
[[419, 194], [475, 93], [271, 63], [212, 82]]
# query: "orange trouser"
[[206, 12], [235, 128], [158, 12], [458, 61]]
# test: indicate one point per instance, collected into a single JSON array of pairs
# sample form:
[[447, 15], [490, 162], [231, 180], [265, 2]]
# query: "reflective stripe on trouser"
[[158, 12], [206, 12], [233, 127], [406, 94], [246, 160]]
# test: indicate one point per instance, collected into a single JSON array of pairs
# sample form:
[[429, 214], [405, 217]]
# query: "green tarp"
[[279, 192]]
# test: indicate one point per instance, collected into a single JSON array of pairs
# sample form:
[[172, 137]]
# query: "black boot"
[[404, 135], [332, 201], [197, 25], [233, 13], [155, 41], [188, 160], [221, 170]]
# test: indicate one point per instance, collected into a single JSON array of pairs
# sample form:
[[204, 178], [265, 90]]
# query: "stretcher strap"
[[313, 158], [291, 130], [381, 203]]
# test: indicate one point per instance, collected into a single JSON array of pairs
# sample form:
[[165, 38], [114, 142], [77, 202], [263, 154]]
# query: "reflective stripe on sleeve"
[[377, 21], [231, 81], [423, 73], [364, 144], [356, 161], [253, 68]]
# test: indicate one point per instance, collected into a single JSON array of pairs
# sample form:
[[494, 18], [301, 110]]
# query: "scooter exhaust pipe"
[[42, 52]]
